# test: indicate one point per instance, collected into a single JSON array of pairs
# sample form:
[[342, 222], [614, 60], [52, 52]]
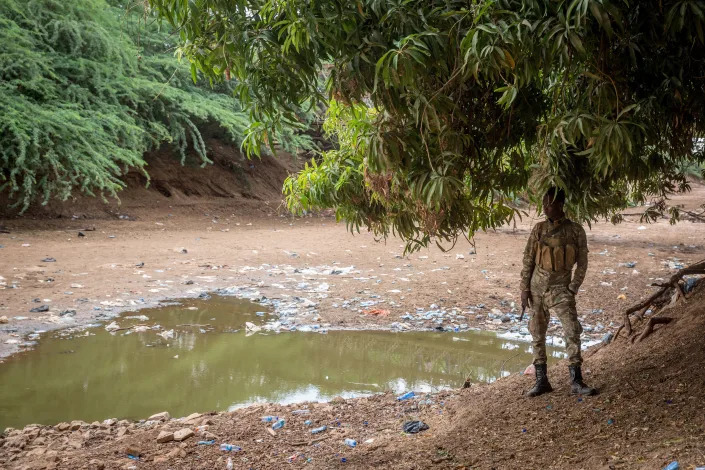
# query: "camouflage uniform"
[[552, 250]]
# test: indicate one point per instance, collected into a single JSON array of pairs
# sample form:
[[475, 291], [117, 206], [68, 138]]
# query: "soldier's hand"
[[525, 299]]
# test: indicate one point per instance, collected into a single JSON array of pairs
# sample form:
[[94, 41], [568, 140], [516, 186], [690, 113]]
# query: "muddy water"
[[210, 364]]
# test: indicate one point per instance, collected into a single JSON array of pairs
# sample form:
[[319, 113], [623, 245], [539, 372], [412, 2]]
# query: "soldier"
[[555, 245]]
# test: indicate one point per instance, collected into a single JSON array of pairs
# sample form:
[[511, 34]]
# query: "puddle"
[[135, 374]]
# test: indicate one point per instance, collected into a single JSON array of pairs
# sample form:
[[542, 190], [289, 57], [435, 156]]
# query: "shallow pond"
[[210, 363]]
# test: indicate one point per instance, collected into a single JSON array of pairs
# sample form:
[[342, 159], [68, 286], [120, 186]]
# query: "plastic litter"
[[672, 466], [350, 442], [228, 447], [269, 419], [229, 465], [406, 396], [412, 427], [207, 443], [318, 430], [279, 424]]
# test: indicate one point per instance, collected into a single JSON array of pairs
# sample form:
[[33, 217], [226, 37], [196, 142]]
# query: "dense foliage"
[[86, 87], [447, 109]]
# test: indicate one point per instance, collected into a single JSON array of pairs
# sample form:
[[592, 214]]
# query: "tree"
[[86, 87], [446, 110]]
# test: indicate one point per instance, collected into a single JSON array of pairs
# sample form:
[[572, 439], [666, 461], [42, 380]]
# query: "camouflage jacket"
[[554, 247]]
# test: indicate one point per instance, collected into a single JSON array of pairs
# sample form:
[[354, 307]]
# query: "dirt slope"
[[249, 186]]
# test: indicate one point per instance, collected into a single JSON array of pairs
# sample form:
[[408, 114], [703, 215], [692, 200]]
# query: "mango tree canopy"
[[446, 111]]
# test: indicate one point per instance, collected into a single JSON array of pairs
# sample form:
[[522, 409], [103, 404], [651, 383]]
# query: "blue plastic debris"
[[405, 396], [672, 466]]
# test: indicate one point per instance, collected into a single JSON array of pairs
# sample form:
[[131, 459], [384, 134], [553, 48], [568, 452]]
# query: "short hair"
[[556, 194]]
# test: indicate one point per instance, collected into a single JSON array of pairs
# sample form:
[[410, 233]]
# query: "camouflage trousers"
[[558, 301]]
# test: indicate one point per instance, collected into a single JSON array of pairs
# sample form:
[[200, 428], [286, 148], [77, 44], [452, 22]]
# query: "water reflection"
[[209, 364]]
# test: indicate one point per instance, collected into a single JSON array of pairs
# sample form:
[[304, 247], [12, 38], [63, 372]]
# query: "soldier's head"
[[553, 202]]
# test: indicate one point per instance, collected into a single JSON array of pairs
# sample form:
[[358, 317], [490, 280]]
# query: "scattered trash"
[[641, 227], [132, 457], [269, 419], [621, 297], [413, 427], [229, 465], [308, 422], [530, 370], [49, 260], [610, 421], [350, 442], [628, 264], [166, 334], [43, 308], [228, 447], [279, 424], [459, 256], [405, 396], [319, 430], [210, 443], [690, 284], [607, 338], [672, 466], [376, 311], [300, 412]]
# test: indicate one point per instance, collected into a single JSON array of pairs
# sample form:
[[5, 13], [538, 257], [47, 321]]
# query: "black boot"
[[577, 386], [541, 386]]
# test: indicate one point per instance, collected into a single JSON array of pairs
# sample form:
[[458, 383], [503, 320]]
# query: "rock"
[[165, 436], [69, 312], [63, 426], [95, 424], [76, 425], [110, 422], [3, 319], [506, 318], [163, 416], [192, 417], [209, 436], [40, 309], [133, 449], [161, 458], [122, 431], [112, 326], [183, 434]]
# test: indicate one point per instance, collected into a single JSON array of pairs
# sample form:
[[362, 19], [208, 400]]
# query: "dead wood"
[[671, 288], [650, 327]]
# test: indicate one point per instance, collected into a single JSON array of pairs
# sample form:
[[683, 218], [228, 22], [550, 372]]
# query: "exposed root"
[[671, 289], [650, 328]]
